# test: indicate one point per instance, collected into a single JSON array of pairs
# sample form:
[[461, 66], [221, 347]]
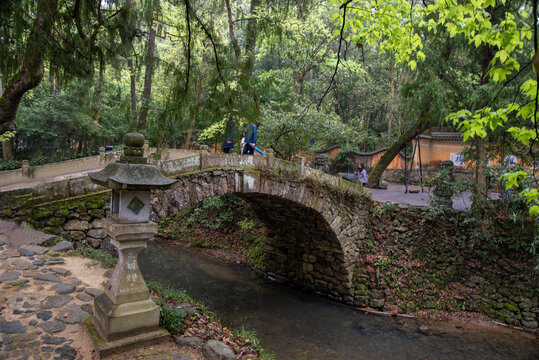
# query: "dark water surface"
[[296, 325]]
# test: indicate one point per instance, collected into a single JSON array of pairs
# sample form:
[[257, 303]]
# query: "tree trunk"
[[423, 123], [51, 81], [250, 36], [148, 75], [30, 73], [391, 99], [480, 181], [132, 79], [7, 151], [232, 34], [195, 111]]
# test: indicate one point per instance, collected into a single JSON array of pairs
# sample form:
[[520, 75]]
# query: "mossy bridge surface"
[[314, 222]]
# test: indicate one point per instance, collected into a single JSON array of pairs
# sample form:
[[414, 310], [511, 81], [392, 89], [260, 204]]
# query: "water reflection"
[[296, 325]]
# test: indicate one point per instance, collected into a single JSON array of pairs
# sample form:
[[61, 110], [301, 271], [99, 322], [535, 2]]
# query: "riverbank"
[[456, 319], [295, 324]]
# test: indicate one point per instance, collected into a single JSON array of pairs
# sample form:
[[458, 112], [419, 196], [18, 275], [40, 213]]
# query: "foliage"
[[291, 132], [181, 314], [223, 222], [105, 258], [343, 160], [487, 26]]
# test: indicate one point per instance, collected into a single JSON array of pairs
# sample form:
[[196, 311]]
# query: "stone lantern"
[[125, 313]]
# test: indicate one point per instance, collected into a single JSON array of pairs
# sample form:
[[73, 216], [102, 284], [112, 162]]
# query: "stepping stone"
[[216, 350], [60, 271], [18, 282], [44, 315], [192, 341], [84, 297], [66, 353], [47, 277], [36, 249], [63, 246], [56, 260], [94, 292], [57, 301], [25, 301], [63, 288], [12, 327], [51, 327], [39, 262], [25, 252], [20, 264], [9, 276], [73, 314], [53, 340]]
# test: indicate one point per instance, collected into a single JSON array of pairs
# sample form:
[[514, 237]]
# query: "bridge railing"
[[205, 160]]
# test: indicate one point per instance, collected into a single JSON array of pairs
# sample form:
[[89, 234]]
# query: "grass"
[[105, 258]]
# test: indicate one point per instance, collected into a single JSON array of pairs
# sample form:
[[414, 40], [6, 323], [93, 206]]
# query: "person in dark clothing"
[[250, 139], [228, 139]]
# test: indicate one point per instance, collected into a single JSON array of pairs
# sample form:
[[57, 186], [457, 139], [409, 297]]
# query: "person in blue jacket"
[[250, 139]]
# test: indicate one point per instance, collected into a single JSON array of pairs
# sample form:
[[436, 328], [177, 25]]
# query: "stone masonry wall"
[[311, 231], [413, 261]]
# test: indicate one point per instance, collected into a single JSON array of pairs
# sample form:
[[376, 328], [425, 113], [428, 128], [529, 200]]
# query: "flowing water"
[[296, 325]]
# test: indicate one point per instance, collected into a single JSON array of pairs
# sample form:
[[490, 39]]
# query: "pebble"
[[39, 262], [63, 246], [51, 327], [94, 292], [53, 340], [63, 288], [47, 277], [66, 352], [9, 276], [12, 327], [56, 261], [44, 315], [25, 252], [192, 341], [74, 315], [20, 264], [57, 301], [84, 297], [60, 271]]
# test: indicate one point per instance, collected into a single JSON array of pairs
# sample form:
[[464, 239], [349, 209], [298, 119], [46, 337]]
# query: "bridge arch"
[[312, 233]]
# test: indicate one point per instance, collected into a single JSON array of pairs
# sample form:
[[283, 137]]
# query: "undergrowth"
[[105, 258], [184, 316]]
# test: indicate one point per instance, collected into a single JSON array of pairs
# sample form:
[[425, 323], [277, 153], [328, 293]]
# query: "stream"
[[293, 324]]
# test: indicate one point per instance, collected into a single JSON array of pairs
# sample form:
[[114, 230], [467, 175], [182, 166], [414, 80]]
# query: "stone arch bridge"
[[313, 222]]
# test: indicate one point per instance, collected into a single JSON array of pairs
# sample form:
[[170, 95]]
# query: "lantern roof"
[[132, 172]]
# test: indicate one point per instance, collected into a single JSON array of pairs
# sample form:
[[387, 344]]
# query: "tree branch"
[[343, 6]]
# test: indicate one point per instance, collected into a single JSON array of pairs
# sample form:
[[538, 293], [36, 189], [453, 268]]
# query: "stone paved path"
[[395, 194], [42, 304]]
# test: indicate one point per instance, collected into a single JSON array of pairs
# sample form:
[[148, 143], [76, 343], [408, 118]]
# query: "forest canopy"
[[78, 74]]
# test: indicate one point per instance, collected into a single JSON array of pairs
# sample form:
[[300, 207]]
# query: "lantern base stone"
[[118, 321], [105, 348]]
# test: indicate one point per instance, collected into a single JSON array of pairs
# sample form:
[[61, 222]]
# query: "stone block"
[[78, 225]]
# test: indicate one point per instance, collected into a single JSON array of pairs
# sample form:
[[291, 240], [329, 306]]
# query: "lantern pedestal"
[[125, 310], [124, 314]]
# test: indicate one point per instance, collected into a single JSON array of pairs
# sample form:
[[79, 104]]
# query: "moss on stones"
[[511, 307]]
